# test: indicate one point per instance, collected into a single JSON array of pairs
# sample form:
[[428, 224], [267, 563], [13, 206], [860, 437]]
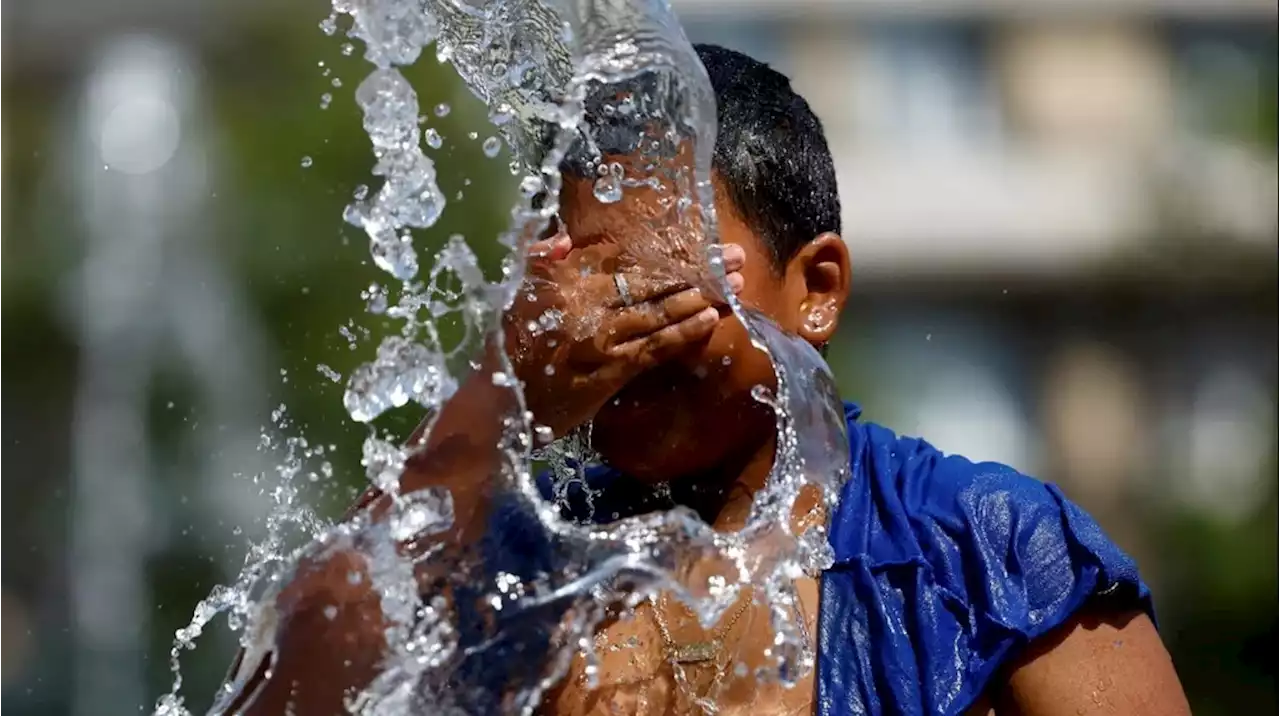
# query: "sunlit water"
[[540, 66]]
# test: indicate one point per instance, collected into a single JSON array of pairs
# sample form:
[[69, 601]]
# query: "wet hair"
[[771, 154]]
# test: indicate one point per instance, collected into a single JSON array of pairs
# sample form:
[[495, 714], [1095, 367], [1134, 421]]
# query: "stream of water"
[[558, 77]]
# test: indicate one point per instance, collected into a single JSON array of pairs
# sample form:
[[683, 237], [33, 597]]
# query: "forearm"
[[326, 639], [458, 448], [330, 633]]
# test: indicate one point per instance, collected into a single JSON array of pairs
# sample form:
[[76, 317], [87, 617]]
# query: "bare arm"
[[1096, 663], [330, 636], [329, 639]]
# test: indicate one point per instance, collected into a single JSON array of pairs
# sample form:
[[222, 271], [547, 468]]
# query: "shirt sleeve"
[[945, 569]]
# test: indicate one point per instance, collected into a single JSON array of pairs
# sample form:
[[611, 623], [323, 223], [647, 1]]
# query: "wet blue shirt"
[[944, 569]]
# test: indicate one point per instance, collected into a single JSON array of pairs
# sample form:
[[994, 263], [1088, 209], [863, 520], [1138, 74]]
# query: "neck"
[[722, 497]]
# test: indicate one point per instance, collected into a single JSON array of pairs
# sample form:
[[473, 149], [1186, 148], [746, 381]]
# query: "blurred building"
[[1032, 137]]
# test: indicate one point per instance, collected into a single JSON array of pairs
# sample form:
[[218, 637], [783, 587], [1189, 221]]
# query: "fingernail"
[[708, 315], [736, 281], [734, 257]]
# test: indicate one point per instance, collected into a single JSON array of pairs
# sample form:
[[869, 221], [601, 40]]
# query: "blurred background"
[[1062, 216]]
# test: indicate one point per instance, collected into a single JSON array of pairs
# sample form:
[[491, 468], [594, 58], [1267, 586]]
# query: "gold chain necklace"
[[698, 652]]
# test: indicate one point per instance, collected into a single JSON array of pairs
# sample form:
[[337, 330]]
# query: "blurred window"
[[925, 84], [1225, 76]]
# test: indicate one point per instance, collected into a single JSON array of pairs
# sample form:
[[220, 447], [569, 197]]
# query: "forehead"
[[642, 212], [588, 219]]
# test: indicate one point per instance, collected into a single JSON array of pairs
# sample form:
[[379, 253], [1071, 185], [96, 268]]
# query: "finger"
[[736, 281], [647, 286], [552, 249], [644, 353], [641, 288], [734, 257], [638, 321]]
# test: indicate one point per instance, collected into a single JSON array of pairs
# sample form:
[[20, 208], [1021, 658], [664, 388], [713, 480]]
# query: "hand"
[[583, 326]]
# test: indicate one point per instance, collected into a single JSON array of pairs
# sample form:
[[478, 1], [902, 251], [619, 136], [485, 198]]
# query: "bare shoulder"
[[1095, 663]]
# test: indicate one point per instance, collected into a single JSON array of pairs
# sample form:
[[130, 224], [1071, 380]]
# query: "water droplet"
[[330, 612], [607, 189], [376, 296], [549, 369], [361, 192], [423, 513], [530, 186], [336, 82], [442, 110], [329, 25], [333, 375], [402, 371], [491, 147], [549, 321], [347, 49], [434, 140], [306, 162], [503, 380], [325, 100], [544, 434]]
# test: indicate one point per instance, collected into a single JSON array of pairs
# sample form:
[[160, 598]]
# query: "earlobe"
[[819, 324], [824, 266]]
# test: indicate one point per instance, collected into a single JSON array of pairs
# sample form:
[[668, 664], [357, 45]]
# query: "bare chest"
[[635, 673]]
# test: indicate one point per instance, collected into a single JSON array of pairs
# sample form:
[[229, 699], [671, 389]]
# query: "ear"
[[819, 273]]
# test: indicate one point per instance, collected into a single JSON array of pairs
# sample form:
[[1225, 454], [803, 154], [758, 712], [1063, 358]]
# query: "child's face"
[[693, 414]]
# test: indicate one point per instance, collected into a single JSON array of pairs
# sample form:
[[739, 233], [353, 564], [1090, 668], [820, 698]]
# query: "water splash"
[[615, 87], [291, 525], [409, 198]]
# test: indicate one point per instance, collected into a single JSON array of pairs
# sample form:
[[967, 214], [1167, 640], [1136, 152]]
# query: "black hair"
[[771, 154]]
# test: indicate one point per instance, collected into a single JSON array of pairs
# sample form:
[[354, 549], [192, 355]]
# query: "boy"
[[957, 587]]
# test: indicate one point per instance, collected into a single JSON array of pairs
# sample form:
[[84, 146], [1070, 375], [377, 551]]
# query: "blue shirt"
[[944, 569]]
